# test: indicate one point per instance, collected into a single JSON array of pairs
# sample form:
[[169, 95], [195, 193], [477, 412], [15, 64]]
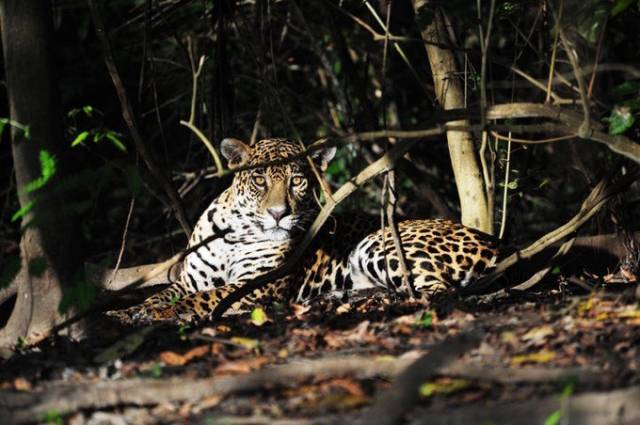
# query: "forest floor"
[[548, 357]]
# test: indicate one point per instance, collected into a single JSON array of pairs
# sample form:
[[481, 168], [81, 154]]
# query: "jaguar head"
[[276, 198]]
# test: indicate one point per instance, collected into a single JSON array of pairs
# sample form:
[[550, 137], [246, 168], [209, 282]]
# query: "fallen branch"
[[600, 194], [147, 274], [618, 407], [21, 407], [393, 403], [596, 408]]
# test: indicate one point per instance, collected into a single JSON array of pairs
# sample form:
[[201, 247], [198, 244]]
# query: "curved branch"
[[572, 120]]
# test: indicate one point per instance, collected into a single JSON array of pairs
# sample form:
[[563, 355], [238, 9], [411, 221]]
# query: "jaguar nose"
[[277, 212]]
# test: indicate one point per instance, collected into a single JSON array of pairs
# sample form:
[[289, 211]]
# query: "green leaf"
[[569, 388], [53, 417], [426, 320], [554, 418], [258, 316], [513, 185], [156, 371], [3, 123], [620, 6], [625, 89], [9, 269], [22, 211], [80, 138], [48, 169], [337, 67], [37, 266], [87, 110], [97, 136], [113, 137], [620, 120], [556, 270]]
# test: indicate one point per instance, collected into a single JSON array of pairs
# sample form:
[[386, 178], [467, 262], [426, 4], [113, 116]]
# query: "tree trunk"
[[466, 169], [49, 236]]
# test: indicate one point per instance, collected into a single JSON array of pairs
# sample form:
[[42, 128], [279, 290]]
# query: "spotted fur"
[[266, 211]]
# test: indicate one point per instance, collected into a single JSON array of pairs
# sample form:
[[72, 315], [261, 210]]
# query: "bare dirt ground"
[[560, 355]]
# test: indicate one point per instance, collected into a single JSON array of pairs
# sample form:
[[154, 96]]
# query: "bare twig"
[[123, 242], [584, 131], [505, 191], [389, 213], [483, 65], [540, 274], [389, 195], [195, 74], [552, 66], [129, 117]]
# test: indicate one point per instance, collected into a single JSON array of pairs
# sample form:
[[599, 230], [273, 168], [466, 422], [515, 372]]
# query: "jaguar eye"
[[296, 181], [259, 180]]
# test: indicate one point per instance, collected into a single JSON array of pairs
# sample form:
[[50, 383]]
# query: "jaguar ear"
[[236, 152], [324, 156]]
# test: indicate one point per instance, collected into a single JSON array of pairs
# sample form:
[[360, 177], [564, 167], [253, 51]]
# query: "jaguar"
[[256, 223]]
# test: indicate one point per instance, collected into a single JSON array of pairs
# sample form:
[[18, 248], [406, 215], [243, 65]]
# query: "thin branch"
[[123, 242], [597, 58], [530, 141], [129, 117], [552, 66], [505, 193], [483, 66], [64, 398], [584, 131], [396, 46], [195, 73]]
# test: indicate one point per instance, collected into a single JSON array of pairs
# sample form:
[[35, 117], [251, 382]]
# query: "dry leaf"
[[349, 385], [538, 335], [344, 308], [172, 358], [443, 386], [207, 403], [249, 343], [242, 366], [300, 310], [509, 338], [360, 333], [21, 384], [543, 356]]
